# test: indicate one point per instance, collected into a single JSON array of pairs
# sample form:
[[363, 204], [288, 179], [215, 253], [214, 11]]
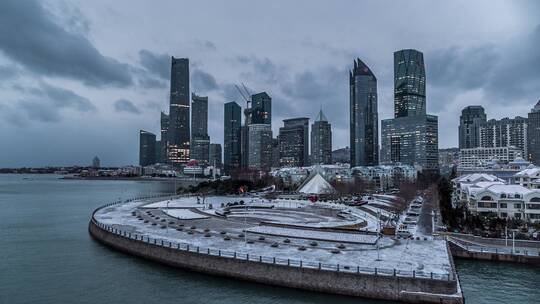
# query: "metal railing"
[[181, 246], [496, 250]]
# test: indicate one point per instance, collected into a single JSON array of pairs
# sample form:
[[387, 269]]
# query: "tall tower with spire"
[[321, 140], [364, 121]]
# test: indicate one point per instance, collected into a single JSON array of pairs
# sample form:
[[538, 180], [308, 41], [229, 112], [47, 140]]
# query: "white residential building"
[[485, 194], [528, 178], [483, 157]]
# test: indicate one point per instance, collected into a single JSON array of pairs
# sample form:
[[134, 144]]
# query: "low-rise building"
[[505, 171], [481, 157], [385, 177], [485, 194], [528, 178]]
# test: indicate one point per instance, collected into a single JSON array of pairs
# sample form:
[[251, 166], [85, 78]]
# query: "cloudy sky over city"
[[80, 78]]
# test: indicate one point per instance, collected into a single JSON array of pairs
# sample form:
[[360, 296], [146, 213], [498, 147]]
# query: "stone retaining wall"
[[412, 290], [459, 252]]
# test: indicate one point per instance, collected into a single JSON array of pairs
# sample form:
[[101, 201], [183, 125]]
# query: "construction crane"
[[246, 95]]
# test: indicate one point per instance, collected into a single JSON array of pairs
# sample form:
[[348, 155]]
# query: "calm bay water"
[[47, 256]]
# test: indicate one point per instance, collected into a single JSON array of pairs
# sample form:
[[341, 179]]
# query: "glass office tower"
[[364, 121], [409, 83]]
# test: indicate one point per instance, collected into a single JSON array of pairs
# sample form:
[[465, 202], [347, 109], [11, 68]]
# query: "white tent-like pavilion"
[[316, 184]]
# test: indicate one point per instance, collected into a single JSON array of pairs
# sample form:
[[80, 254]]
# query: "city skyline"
[[119, 88]]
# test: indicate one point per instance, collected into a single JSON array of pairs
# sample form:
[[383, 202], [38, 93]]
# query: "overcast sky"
[[80, 78]]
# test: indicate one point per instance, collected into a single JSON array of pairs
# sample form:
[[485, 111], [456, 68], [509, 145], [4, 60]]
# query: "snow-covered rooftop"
[[530, 173], [477, 177]]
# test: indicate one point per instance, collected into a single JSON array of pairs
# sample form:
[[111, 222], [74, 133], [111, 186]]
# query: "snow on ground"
[[390, 197], [315, 235], [330, 224], [381, 211], [404, 255], [184, 214], [191, 202]]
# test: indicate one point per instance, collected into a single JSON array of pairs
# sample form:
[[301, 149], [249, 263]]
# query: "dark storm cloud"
[[158, 64], [310, 90], [519, 73], [505, 72], [262, 68], [229, 92], [8, 72], [46, 103], [124, 105], [148, 81], [461, 68], [203, 81], [29, 36]]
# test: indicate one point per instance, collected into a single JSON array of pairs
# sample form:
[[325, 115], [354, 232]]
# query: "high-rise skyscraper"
[[215, 155], [199, 115], [412, 137], [411, 140], [179, 128], [260, 146], [294, 142], [472, 117], [231, 137], [147, 148], [259, 114], [261, 109], [200, 141], [533, 135], [505, 132], [364, 122], [409, 83], [164, 122], [200, 149], [321, 140]]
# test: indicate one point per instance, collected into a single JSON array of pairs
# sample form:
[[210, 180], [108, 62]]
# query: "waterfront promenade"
[[285, 263]]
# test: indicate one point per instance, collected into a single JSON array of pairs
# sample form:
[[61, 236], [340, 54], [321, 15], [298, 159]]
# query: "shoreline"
[[262, 269], [138, 178]]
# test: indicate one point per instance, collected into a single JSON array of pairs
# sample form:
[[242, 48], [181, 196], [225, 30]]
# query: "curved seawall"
[[262, 270]]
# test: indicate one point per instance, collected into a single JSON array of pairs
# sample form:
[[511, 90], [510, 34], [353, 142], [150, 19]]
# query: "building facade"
[[147, 148], [179, 127], [485, 195], [411, 140], [409, 83], [412, 136], [260, 147], [533, 135], [200, 149], [294, 142], [231, 137], [200, 141], [364, 131], [261, 109], [505, 132], [482, 157], [321, 141], [472, 117], [215, 155], [342, 155], [164, 123], [199, 115]]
